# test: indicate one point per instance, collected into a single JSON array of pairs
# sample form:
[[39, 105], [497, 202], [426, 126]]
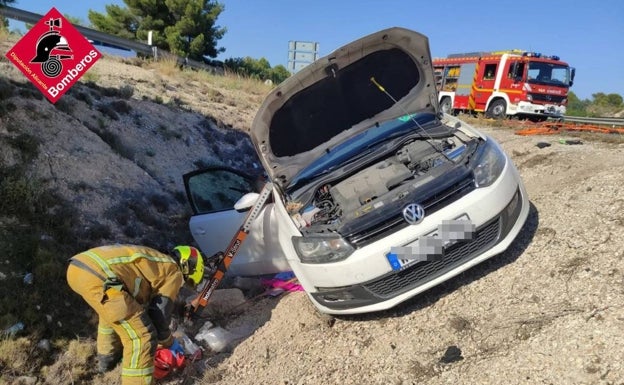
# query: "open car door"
[[212, 194]]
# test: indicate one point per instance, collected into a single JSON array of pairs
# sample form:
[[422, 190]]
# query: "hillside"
[[105, 164]]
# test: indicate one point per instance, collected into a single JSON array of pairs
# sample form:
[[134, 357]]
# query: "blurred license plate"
[[432, 246]]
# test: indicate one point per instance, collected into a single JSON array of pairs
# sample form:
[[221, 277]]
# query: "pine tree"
[[184, 27]]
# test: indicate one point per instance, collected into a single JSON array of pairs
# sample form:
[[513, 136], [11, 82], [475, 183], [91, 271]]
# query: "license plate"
[[431, 247]]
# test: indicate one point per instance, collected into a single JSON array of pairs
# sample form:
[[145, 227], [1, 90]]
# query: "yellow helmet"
[[191, 262]]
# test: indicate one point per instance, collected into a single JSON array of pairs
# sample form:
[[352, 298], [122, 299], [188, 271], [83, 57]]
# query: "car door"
[[212, 193]]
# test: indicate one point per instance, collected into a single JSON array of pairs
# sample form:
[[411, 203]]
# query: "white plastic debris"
[[190, 347], [44, 345], [217, 338]]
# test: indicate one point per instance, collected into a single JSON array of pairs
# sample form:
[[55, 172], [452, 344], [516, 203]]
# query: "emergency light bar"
[[537, 54]]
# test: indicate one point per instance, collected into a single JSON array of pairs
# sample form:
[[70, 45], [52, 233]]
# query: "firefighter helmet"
[[191, 262]]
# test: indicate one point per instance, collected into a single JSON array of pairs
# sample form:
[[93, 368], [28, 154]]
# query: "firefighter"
[[133, 289]]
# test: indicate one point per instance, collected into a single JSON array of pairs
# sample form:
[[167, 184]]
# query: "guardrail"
[[612, 122], [108, 40]]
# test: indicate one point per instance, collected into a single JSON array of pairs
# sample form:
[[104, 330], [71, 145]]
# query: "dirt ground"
[[547, 311], [550, 310]]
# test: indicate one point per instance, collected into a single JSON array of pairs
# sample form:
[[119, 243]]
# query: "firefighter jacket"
[[143, 275]]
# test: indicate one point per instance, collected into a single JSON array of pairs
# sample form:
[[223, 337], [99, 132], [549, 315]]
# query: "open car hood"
[[339, 96]]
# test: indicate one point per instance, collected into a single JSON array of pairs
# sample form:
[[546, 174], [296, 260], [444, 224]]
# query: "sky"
[[588, 35]]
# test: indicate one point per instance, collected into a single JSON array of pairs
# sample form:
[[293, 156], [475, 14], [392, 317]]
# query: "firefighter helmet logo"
[[52, 47], [53, 55]]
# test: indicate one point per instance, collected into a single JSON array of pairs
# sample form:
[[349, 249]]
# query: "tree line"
[[186, 28], [600, 105]]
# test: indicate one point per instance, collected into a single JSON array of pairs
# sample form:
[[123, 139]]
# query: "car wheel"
[[445, 105], [497, 109]]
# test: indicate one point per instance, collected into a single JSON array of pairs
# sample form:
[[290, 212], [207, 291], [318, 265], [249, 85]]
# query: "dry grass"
[[74, 366], [166, 65], [15, 357]]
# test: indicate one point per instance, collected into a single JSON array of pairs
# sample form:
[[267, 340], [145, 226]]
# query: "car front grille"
[[396, 283], [556, 99], [431, 204]]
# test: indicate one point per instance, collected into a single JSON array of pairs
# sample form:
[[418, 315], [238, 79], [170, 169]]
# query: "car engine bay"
[[383, 187]]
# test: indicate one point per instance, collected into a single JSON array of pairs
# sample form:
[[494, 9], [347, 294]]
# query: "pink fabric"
[[281, 284]]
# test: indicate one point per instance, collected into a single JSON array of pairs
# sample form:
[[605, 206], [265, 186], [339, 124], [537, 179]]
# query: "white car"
[[377, 196]]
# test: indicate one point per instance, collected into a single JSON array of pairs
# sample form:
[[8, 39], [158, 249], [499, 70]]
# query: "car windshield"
[[549, 74], [366, 142]]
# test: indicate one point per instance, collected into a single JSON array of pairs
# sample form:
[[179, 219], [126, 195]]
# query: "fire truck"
[[502, 84]]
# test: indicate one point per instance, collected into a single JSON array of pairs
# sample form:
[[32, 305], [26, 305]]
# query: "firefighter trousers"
[[128, 320]]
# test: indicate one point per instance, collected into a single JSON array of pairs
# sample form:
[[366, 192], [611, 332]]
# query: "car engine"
[[376, 187]]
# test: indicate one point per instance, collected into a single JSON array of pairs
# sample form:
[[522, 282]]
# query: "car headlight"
[[322, 249], [489, 165]]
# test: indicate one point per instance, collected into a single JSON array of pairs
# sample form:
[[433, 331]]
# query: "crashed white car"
[[377, 195]]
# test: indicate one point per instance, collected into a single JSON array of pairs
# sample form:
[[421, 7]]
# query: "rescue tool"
[[224, 259]]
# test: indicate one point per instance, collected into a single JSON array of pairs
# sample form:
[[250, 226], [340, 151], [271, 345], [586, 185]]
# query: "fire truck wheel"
[[445, 105], [497, 109]]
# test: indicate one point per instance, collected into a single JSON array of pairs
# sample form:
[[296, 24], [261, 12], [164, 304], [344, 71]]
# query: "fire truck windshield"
[[548, 74]]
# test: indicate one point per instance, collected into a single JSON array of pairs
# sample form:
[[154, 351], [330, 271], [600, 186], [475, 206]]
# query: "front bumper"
[[552, 110], [365, 282]]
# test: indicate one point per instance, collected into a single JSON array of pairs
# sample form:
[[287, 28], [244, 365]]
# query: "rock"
[[225, 301], [452, 354]]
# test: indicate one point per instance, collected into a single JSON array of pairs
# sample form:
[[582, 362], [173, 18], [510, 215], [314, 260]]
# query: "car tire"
[[497, 109]]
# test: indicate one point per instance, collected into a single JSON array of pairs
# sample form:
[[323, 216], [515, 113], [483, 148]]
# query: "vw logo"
[[413, 213]]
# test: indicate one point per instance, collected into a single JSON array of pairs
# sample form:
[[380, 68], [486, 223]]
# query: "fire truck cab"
[[505, 83]]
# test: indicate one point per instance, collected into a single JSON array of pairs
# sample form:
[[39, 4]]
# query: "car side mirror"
[[246, 201]]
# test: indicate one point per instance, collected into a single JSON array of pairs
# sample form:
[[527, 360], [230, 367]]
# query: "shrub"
[[65, 104], [6, 107], [85, 97], [126, 91], [18, 195], [160, 202], [27, 145], [98, 231], [167, 133], [121, 106], [108, 110], [6, 89], [113, 141]]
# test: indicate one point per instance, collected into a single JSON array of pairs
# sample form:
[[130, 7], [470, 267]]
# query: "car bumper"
[[366, 282], [528, 108]]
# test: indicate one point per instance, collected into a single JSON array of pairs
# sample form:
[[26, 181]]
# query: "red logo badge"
[[53, 55]]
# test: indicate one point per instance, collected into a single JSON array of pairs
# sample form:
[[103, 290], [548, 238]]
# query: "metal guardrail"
[[612, 122], [108, 40]]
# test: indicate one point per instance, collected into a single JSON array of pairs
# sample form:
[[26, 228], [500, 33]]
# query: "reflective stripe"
[[136, 343], [128, 372], [137, 286], [105, 330], [135, 256], [84, 266], [102, 263]]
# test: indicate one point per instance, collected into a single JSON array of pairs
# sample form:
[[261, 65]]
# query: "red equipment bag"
[[165, 362]]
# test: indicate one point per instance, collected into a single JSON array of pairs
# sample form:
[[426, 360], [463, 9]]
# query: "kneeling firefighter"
[[133, 289]]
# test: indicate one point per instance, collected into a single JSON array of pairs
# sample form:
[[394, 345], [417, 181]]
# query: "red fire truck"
[[504, 83]]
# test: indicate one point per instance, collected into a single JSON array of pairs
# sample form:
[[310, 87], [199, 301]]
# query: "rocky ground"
[[547, 311], [550, 310]]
